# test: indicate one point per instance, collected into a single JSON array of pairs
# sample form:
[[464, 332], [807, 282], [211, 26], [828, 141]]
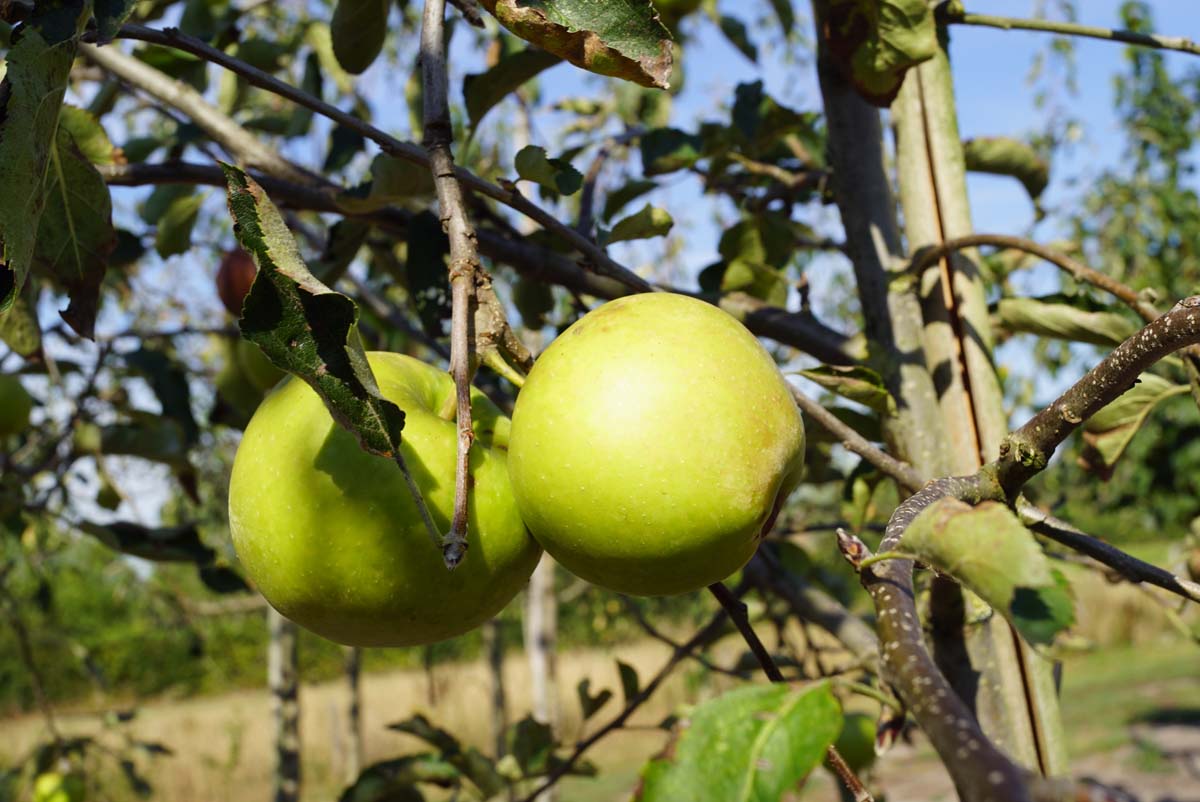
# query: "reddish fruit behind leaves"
[[234, 278]]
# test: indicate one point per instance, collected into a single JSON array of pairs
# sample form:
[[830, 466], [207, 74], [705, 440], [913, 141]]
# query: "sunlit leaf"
[[482, 91], [875, 42], [649, 221]]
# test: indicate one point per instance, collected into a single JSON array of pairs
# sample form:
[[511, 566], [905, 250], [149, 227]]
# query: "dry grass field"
[[222, 743]]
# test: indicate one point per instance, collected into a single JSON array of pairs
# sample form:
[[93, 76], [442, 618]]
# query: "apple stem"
[[422, 507]]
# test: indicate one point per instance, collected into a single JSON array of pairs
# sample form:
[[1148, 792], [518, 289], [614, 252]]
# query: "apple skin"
[[331, 535], [15, 406], [651, 444], [261, 372]]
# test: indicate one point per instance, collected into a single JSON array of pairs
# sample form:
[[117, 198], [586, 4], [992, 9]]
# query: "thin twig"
[[595, 255], [702, 638], [902, 472], [799, 330], [658, 635], [464, 258], [736, 609], [1128, 566], [1078, 270], [954, 12]]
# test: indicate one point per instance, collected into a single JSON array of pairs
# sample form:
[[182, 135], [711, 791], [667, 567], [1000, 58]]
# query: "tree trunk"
[[541, 636], [283, 682], [1008, 685], [493, 647], [354, 755]]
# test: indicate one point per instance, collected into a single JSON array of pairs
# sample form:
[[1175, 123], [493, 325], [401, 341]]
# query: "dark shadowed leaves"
[[621, 38], [665, 150], [649, 221], [168, 380], [556, 175], [752, 744], [1108, 433], [425, 270], [358, 29], [304, 327], [590, 704], [482, 91], [875, 42], [989, 551], [164, 544], [630, 684]]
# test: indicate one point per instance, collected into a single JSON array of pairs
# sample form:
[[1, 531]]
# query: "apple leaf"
[[875, 42], [737, 35], [1108, 433], [531, 742], [665, 150], [618, 199], [31, 93], [649, 221], [174, 234], [346, 238], [761, 121], [426, 274], [477, 767], [169, 382], [146, 435], [556, 175], [987, 550], [1001, 155], [303, 326], [395, 780], [751, 744], [856, 383], [110, 14], [1049, 317], [630, 683], [759, 280], [358, 29], [483, 91], [19, 328], [587, 702], [620, 38], [163, 544]]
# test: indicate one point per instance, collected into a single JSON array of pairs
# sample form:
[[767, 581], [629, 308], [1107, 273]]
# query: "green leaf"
[[89, 136], [478, 768], [875, 42], [174, 234], [358, 30], [35, 80], [1001, 155], [75, 233], [1063, 321], [169, 381], [532, 744], [556, 175], [110, 14], [629, 192], [148, 436], [483, 91], [630, 684], [395, 780], [311, 82], [665, 150], [304, 327], [766, 239], [785, 13], [1108, 433], [19, 328], [989, 551], [425, 271], [759, 280], [762, 122], [346, 238], [393, 181], [588, 703], [736, 32], [163, 544], [534, 300], [650, 221], [856, 383], [752, 744], [620, 38]]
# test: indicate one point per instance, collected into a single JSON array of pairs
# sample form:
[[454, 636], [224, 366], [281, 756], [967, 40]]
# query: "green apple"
[[256, 367], [15, 406], [51, 786], [856, 744], [332, 537], [651, 444]]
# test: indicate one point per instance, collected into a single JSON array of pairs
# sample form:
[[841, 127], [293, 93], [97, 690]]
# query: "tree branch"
[[908, 476], [1128, 566], [736, 609], [464, 258], [799, 330], [954, 12], [595, 255], [1078, 270]]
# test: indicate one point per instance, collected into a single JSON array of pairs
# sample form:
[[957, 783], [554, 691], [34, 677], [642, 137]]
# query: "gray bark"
[[284, 684]]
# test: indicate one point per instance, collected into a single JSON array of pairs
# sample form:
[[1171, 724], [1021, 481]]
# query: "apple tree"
[[201, 196]]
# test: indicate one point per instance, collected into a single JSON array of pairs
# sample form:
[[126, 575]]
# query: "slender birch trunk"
[[284, 684], [541, 637], [354, 754]]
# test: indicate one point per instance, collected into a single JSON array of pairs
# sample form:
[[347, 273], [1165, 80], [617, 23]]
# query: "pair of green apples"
[[651, 445]]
